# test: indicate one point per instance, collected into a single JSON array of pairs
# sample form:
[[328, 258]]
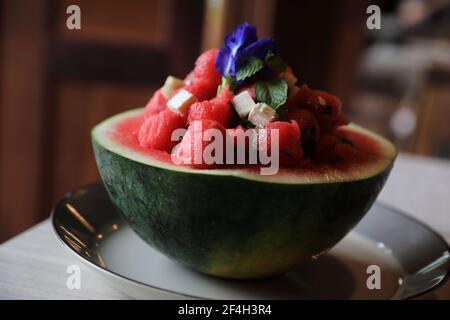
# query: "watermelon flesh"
[[156, 131], [195, 139], [217, 109], [156, 104], [366, 151]]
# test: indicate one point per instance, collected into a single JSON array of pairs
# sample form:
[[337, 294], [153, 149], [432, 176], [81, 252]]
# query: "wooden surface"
[[33, 264], [138, 23]]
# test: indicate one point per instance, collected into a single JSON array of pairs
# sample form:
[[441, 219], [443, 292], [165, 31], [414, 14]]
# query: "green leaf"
[[275, 62], [274, 92], [250, 68], [226, 81]]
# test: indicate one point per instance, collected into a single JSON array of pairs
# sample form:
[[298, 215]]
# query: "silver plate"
[[412, 258]]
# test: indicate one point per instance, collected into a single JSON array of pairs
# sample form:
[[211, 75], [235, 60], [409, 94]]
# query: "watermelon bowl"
[[231, 220], [235, 223]]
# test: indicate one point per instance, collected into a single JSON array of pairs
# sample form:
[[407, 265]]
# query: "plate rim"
[[97, 267], [429, 229], [122, 278]]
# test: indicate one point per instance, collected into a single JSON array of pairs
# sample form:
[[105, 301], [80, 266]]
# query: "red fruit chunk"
[[330, 104], [329, 123], [316, 101], [243, 140], [202, 89], [191, 149], [217, 109], [288, 135], [205, 67], [292, 156], [325, 107], [225, 96], [156, 131], [202, 110], [156, 104], [289, 70], [307, 122], [189, 79], [236, 133], [203, 81]]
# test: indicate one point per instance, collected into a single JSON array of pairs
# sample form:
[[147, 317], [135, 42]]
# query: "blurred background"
[[56, 84]]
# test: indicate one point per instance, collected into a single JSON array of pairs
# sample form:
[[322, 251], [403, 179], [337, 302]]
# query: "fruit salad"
[[245, 85], [290, 177]]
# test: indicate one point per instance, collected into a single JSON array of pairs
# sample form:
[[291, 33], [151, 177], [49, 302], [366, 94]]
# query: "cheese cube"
[[261, 114], [243, 104], [170, 86], [290, 79], [181, 102]]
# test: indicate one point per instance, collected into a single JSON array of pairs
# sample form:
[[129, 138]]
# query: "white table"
[[33, 264]]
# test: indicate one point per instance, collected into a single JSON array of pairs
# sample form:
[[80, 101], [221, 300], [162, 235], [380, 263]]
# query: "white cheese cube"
[[290, 79], [171, 85], [243, 104], [181, 102], [261, 114]]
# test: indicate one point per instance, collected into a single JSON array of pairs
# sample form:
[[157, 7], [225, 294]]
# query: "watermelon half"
[[234, 222]]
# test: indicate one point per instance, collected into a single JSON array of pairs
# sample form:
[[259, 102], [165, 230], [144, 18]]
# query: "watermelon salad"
[[228, 217], [241, 87]]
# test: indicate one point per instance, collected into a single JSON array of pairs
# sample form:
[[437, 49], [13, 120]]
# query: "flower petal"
[[223, 61], [239, 46], [242, 36], [260, 48]]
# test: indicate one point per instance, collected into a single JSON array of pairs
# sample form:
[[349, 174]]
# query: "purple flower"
[[239, 45]]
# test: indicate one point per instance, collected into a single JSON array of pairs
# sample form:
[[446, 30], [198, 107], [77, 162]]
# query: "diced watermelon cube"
[[156, 131], [202, 89], [243, 141], [235, 134], [217, 109], [325, 107], [156, 104], [203, 81], [288, 135], [190, 151], [293, 156], [329, 123], [205, 67], [309, 127], [190, 77]]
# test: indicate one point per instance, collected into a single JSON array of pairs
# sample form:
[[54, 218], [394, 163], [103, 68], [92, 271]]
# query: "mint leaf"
[[275, 62], [274, 92], [250, 68]]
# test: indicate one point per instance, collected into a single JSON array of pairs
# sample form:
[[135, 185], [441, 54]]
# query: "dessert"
[[238, 170]]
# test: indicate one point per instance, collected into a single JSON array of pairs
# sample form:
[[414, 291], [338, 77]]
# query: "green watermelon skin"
[[232, 227]]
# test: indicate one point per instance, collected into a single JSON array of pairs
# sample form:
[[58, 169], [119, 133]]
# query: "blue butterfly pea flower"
[[240, 45]]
